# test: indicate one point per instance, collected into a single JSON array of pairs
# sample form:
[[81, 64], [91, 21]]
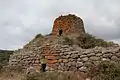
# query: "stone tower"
[[70, 24]]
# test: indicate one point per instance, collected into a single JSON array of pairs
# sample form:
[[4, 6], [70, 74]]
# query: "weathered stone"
[[71, 60], [67, 56], [105, 59], [99, 54], [107, 55], [87, 64], [75, 52], [37, 62], [62, 64], [118, 54], [98, 50], [94, 58], [82, 56], [79, 64], [107, 51], [73, 63], [83, 69], [60, 60], [96, 62], [50, 57], [114, 58], [69, 64], [69, 53], [65, 46], [52, 61], [65, 60], [116, 50], [91, 54], [78, 59], [85, 59], [74, 56], [51, 69], [60, 56], [85, 52], [69, 24]]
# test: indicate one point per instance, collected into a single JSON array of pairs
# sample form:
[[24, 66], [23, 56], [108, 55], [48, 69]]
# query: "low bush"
[[106, 70], [4, 56], [67, 41], [38, 36], [88, 41]]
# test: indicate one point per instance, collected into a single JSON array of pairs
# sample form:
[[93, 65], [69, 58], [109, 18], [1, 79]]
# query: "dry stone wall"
[[64, 57]]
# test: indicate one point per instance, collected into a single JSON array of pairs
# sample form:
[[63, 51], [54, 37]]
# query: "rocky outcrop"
[[70, 24]]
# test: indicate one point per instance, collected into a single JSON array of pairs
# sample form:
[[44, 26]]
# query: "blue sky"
[[21, 20]]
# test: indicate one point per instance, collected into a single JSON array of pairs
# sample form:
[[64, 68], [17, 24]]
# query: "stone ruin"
[[62, 57], [70, 24]]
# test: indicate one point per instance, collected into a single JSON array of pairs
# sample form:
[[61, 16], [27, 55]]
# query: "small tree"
[[67, 41]]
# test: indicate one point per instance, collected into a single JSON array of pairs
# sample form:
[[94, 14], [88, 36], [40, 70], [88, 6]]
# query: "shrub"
[[1, 67], [4, 57], [88, 41], [106, 71], [38, 36], [67, 41]]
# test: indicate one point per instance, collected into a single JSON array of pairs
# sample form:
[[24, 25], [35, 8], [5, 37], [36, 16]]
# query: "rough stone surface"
[[85, 59], [79, 64], [69, 24], [57, 59], [94, 58], [59, 56], [114, 58]]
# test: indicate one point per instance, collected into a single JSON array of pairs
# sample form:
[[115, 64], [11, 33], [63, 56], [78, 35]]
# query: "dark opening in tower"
[[60, 32]]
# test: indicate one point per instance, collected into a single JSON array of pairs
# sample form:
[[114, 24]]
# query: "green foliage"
[[38, 36], [4, 56], [106, 71], [67, 41], [89, 41]]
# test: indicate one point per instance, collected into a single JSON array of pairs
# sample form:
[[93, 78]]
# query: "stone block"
[[85, 59], [94, 58]]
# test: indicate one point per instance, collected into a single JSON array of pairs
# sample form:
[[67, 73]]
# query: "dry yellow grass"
[[45, 76], [11, 76]]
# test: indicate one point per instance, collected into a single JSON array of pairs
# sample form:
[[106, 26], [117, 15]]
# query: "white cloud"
[[21, 20]]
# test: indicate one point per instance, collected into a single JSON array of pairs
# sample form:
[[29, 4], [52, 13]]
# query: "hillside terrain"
[[72, 53]]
